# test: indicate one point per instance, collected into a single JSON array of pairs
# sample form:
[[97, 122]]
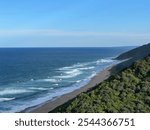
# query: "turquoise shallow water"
[[30, 76]]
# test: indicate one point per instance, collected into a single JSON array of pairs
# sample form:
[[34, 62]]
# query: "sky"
[[74, 23]]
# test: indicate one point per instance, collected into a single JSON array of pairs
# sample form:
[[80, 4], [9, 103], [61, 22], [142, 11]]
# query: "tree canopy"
[[126, 92]]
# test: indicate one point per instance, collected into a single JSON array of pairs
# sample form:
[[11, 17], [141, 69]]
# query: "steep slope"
[[136, 53], [127, 91], [131, 56]]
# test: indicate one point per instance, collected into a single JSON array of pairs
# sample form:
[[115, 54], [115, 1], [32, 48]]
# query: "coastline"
[[58, 101]]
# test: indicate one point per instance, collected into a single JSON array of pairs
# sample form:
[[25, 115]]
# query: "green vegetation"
[[139, 52], [127, 91]]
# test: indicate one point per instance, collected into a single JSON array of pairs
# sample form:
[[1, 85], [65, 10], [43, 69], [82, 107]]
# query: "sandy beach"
[[52, 104]]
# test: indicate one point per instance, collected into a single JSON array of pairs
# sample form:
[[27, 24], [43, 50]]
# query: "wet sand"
[[52, 104]]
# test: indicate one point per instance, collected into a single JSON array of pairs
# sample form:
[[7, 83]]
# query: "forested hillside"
[[137, 53], [127, 91]]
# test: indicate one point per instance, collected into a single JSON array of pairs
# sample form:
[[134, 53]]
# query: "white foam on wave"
[[6, 99], [78, 65], [13, 91], [50, 80], [69, 74], [74, 71], [87, 68], [104, 61], [86, 65], [38, 88], [79, 68], [56, 84], [78, 81]]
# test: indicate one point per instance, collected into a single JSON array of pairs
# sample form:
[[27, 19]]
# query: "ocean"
[[31, 76]]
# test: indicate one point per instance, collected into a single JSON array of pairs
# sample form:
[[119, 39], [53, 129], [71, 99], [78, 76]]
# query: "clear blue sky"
[[61, 23]]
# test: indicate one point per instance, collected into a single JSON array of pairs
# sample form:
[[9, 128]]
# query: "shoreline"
[[60, 100]]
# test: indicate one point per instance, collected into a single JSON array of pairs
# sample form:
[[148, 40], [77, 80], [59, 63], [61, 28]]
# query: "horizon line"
[[73, 47]]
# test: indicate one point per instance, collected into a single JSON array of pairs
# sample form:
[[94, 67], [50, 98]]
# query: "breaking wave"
[[6, 99]]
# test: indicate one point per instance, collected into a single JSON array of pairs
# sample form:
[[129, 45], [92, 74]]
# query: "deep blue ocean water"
[[31, 76]]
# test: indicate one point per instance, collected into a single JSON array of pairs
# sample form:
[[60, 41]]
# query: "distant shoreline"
[[58, 101], [127, 59]]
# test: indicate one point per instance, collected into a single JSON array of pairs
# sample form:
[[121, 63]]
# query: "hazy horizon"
[[72, 47]]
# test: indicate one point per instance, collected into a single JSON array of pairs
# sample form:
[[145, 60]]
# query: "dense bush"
[[128, 91]]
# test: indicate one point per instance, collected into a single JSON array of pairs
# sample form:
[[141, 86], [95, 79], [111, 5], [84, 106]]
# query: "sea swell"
[[68, 79]]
